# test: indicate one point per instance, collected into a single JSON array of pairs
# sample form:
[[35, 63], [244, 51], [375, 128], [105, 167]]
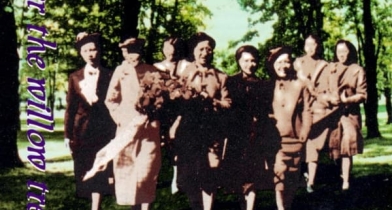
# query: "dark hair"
[[274, 55], [196, 39], [83, 38], [352, 56], [249, 49], [179, 46], [319, 48]]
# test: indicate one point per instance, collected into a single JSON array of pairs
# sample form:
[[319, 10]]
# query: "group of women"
[[239, 132]]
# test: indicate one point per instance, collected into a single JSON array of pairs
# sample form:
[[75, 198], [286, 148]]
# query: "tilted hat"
[[83, 38], [133, 44], [276, 52]]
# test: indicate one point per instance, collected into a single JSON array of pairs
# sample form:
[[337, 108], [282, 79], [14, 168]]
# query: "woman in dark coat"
[[199, 139], [173, 51], [248, 157], [88, 125]]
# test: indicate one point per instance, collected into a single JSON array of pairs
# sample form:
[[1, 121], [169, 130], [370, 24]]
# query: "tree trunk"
[[152, 33], [130, 18], [371, 74], [388, 104], [9, 84], [302, 30]]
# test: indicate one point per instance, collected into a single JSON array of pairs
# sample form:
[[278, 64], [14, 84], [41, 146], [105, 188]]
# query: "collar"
[[90, 70]]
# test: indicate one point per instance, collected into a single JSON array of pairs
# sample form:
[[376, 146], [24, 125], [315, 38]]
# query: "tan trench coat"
[[137, 166]]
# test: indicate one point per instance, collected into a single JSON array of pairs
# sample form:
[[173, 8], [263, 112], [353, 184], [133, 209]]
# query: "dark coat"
[[89, 128], [251, 142], [199, 135], [83, 122]]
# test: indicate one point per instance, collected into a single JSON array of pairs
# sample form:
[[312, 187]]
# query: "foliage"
[[160, 19], [293, 21], [63, 20], [365, 23]]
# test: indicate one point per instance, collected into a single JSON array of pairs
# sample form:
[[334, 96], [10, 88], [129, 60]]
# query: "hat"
[[276, 52], [83, 38], [133, 44], [274, 55]]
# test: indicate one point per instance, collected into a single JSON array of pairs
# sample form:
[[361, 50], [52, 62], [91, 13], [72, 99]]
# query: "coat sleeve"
[[306, 113], [360, 86], [71, 109], [113, 96], [225, 100]]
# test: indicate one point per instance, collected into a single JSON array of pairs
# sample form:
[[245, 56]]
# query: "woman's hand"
[[343, 97], [334, 99], [303, 136]]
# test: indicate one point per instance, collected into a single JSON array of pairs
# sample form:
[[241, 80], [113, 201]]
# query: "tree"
[[9, 84], [293, 20], [331, 20], [369, 53], [129, 18], [382, 21], [160, 19]]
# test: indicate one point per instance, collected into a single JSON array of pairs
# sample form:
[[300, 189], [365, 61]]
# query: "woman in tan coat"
[[290, 104], [312, 69], [348, 82], [307, 64], [137, 166]]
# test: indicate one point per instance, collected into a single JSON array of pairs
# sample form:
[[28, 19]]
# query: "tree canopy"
[[362, 22], [365, 23]]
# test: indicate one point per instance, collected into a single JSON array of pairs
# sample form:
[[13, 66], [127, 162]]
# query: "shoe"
[[309, 188], [345, 186]]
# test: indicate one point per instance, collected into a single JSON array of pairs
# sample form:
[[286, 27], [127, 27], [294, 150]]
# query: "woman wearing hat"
[[88, 125], [199, 139], [291, 111], [137, 166]]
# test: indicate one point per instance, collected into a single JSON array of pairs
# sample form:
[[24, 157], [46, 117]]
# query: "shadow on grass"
[[366, 192], [370, 188], [372, 191]]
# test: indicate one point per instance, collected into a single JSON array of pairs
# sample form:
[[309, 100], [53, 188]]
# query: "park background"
[[232, 23]]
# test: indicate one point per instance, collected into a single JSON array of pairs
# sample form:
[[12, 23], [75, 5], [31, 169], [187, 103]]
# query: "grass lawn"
[[371, 183]]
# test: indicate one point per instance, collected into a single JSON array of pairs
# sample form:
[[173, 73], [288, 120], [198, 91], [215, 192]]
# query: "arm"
[[113, 96], [224, 101], [71, 109], [306, 115], [360, 94]]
